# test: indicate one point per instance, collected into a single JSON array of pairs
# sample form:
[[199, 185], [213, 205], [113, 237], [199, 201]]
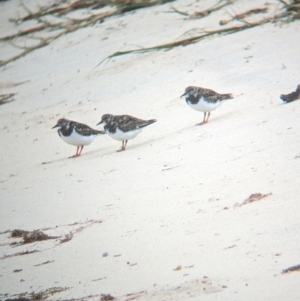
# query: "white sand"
[[168, 200]]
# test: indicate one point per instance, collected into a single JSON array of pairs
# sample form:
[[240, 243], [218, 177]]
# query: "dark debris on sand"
[[107, 297], [18, 299], [4, 98], [31, 236], [292, 96], [17, 233], [253, 198], [295, 268], [41, 295]]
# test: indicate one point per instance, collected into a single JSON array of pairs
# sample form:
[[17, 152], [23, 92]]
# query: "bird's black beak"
[[55, 126], [183, 94], [100, 122]]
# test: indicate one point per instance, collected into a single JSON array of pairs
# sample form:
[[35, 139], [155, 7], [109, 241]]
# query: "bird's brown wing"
[[127, 123], [85, 130], [212, 96]]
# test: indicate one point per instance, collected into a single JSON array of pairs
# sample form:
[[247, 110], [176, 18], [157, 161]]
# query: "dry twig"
[[184, 42], [245, 14], [203, 13], [68, 25]]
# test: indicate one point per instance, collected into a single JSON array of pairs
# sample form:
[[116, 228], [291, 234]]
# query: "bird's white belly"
[[120, 135], [78, 140], [204, 106]]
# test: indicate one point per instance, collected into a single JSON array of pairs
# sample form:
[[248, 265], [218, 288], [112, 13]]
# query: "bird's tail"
[[148, 122], [226, 96], [99, 132]]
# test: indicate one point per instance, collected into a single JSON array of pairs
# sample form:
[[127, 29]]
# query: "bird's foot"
[[201, 123]]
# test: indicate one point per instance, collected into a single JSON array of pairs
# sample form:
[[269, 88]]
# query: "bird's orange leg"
[[78, 152], [81, 148], [122, 148], [207, 117], [203, 122], [76, 155]]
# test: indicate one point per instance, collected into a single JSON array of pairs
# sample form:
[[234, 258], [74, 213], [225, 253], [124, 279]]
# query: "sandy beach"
[[169, 218]]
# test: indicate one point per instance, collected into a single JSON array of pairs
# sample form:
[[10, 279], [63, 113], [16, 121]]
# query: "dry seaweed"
[[253, 198], [29, 237], [68, 27], [106, 297], [17, 270], [285, 16], [292, 96], [5, 98], [61, 8], [67, 237], [22, 237], [43, 263], [17, 233], [295, 268], [19, 254], [18, 299], [292, 8], [203, 13], [41, 295], [183, 42], [65, 24], [245, 14], [129, 5]]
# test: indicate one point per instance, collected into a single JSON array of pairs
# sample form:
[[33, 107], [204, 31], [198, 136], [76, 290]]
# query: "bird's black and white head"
[[105, 119], [188, 91], [62, 123]]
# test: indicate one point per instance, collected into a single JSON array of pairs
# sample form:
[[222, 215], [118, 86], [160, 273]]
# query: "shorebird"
[[123, 127], [204, 100], [76, 133]]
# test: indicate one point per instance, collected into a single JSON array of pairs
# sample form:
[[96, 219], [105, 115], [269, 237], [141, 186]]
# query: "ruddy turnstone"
[[123, 127], [204, 100], [76, 133]]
